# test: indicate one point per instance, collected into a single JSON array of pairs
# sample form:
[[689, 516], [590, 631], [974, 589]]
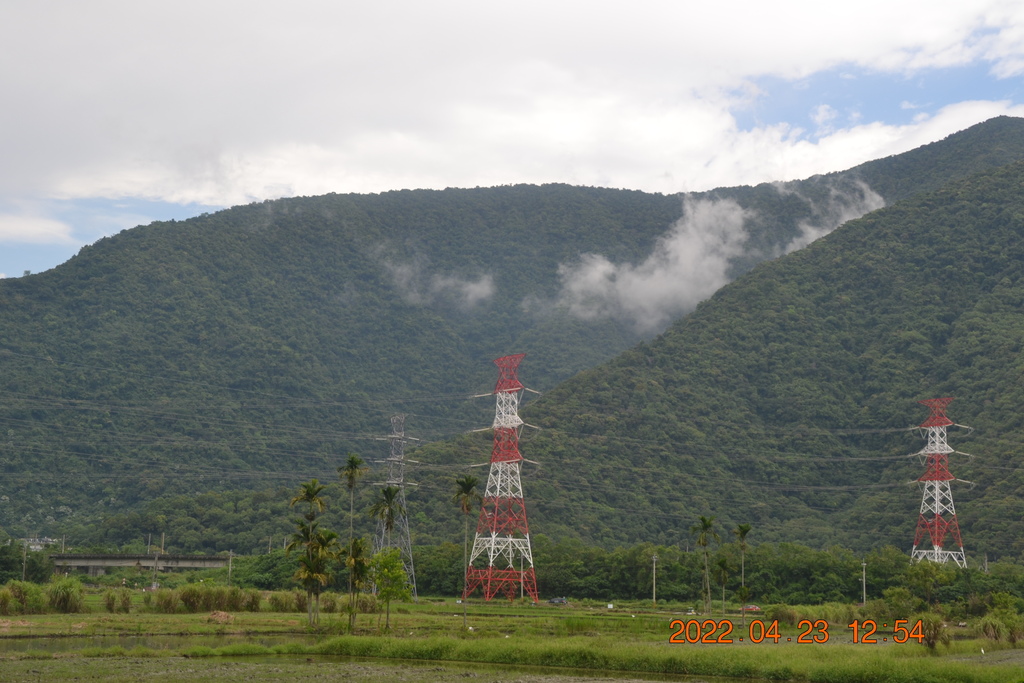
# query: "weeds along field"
[[135, 638]]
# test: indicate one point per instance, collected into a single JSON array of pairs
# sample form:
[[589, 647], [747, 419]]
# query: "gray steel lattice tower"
[[399, 536]]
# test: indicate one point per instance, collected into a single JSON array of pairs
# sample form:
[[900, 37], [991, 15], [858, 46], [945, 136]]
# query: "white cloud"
[[26, 229], [841, 206], [687, 265], [418, 286], [228, 102]]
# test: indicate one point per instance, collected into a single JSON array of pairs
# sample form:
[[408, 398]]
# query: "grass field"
[[628, 640]]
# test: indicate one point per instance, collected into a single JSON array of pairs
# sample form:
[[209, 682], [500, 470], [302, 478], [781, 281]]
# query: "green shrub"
[[65, 595], [933, 629], [328, 603], [301, 601]]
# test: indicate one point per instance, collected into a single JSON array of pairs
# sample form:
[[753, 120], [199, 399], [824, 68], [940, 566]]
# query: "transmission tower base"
[[507, 582]]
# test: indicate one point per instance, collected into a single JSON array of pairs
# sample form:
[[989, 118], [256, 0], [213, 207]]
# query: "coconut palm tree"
[[466, 497], [704, 529], [388, 508]]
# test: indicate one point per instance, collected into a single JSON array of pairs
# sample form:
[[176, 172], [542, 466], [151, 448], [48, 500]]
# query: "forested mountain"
[[784, 400], [255, 346]]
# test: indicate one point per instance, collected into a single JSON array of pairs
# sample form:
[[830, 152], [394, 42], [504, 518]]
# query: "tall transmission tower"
[[502, 534], [399, 536], [938, 516]]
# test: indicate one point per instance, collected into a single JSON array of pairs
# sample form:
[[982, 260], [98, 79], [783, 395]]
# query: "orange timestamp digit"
[[902, 630], [821, 626]]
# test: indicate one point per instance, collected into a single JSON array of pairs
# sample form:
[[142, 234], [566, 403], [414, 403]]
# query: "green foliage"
[[933, 629], [388, 576], [65, 594]]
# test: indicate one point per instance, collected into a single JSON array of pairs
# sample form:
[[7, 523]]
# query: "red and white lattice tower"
[[938, 516], [502, 535]]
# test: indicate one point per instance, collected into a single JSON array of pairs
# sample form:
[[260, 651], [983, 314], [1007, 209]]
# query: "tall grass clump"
[[167, 601], [366, 603], [252, 599], [329, 603], [234, 599], [7, 603], [110, 600], [65, 595], [27, 598], [191, 597], [281, 602], [784, 614], [124, 600]]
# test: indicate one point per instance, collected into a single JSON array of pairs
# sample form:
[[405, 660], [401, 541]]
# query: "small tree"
[[388, 574]]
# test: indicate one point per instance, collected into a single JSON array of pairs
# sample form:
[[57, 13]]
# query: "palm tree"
[[314, 569], [349, 473], [705, 531], [309, 492], [722, 576], [318, 546], [387, 508], [358, 567], [466, 496], [741, 532]]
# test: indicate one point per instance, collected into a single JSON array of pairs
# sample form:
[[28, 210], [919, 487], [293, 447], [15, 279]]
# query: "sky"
[[116, 114]]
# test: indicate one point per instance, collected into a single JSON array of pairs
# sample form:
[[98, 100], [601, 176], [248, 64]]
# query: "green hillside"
[[782, 400], [169, 378]]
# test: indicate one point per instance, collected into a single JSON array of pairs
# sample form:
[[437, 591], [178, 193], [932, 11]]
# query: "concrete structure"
[[96, 565]]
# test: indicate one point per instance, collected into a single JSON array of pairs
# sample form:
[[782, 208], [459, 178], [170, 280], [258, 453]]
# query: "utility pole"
[[231, 556], [864, 582], [654, 581]]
